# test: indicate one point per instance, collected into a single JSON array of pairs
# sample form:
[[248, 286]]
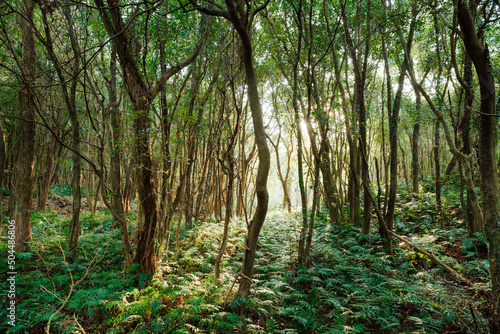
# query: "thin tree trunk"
[[390, 194], [474, 225], [47, 171], [115, 172], [379, 188], [90, 192], [298, 128], [393, 126], [3, 158], [229, 170], [359, 155], [76, 180], [437, 166], [403, 167], [307, 248], [415, 144], [264, 157]]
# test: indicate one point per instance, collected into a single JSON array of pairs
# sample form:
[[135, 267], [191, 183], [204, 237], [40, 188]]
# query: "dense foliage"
[[349, 288], [260, 166]]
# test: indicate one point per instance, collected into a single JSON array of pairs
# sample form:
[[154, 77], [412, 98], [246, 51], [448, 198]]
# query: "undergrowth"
[[350, 286]]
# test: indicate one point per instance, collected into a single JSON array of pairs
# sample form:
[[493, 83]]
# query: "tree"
[[23, 183], [488, 131], [142, 96], [242, 20], [359, 60], [228, 162], [115, 170]]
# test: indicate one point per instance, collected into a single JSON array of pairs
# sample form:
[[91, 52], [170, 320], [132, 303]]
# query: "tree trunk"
[[47, 172], [115, 171], [364, 161], [264, 159], [76, 181], [142, 96], [229, 211], [437, 166], [474, 225], [403, 167], [90, 191], [415, 145], [76, 188], [490, 194], [145, 253], [298, 128], [129, 190], [393, 125], [359, 155], [3, 158], [24, 173], [354, 190], [390, 194], [331, 198], [310, 228], [393, 144]]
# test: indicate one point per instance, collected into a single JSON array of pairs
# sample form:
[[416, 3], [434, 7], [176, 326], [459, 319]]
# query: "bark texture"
[[490, 193], [24, 171], [262, 170]]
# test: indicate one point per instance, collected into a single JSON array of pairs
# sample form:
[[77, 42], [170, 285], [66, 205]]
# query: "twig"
[[240, 275], [232, 286], [93, 262], [78, 324], [473, 312]]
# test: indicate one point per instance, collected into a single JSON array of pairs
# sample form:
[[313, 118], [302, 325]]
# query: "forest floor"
[[350, 287]]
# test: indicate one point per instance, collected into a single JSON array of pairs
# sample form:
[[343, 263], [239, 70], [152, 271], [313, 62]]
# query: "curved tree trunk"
[[242, 27], [262, 169]]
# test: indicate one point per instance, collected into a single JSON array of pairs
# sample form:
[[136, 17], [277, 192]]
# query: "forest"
[[249, 166]]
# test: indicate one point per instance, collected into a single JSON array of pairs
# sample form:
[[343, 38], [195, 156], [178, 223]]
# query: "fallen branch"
[[435, 259], [421, 250]]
